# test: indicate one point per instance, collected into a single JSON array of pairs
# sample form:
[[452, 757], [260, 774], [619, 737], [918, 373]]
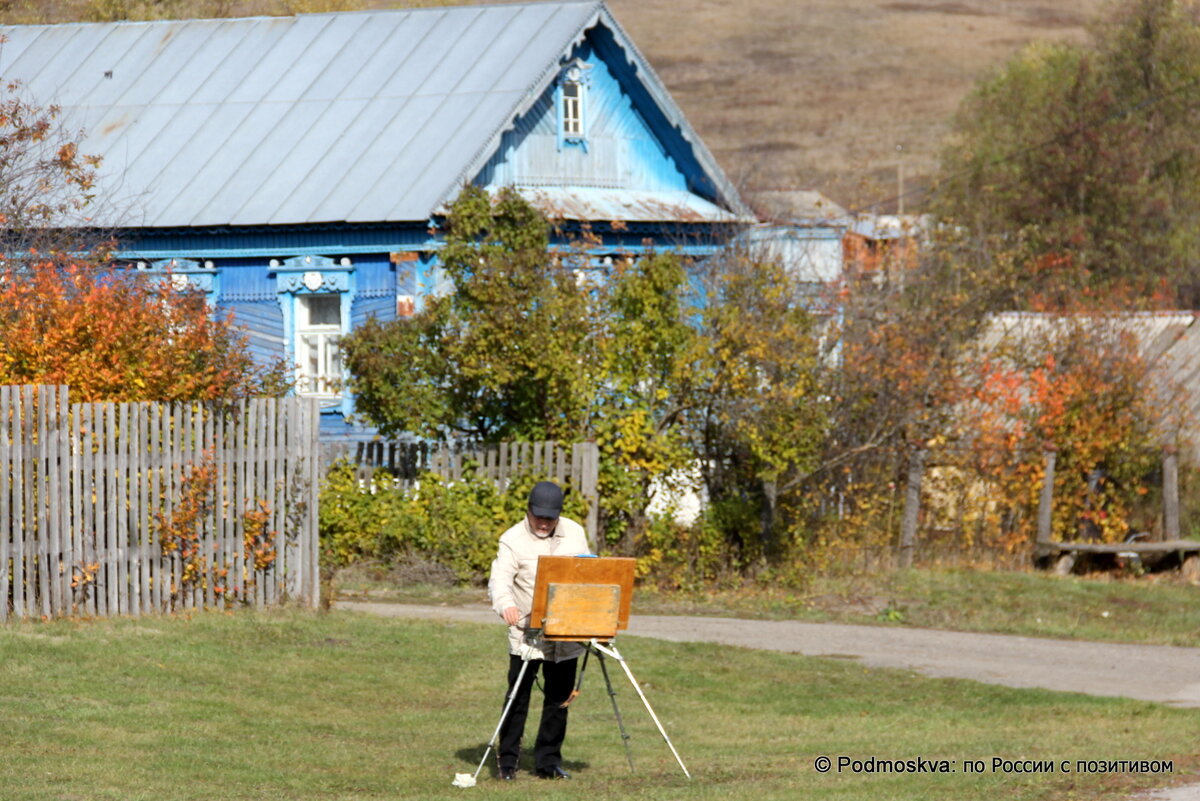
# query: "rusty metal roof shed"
[[346, 117]]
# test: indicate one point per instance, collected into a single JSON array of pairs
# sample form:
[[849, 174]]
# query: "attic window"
[[572, 109], [572, 105]]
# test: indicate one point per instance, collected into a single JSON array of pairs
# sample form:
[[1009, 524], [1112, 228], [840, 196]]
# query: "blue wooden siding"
[[622, 150], [248, 291], [375, 290]]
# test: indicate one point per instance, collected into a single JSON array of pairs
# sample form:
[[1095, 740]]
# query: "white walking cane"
[[466, 779]]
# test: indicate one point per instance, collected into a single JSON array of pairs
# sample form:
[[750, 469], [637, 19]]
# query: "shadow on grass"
[[473, 754]]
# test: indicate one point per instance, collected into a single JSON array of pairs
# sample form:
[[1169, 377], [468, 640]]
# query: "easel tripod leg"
[[512, 695], [612, 695], [625, 665]]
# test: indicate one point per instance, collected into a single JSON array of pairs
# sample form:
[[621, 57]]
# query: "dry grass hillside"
[[823, 94], [834, 94]]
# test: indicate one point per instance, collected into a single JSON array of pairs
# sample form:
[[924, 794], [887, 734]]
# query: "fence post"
[[912, 505], [1046, 502], [591, 478], [1170, 492]]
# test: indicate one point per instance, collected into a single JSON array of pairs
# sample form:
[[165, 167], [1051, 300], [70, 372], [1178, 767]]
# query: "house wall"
[[620, 150]]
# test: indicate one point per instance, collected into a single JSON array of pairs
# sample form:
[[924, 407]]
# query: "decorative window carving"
[[572, 104], [318, 332]]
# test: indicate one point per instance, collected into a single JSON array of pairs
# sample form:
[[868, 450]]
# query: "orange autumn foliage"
[[112, 334], [1084, 396]]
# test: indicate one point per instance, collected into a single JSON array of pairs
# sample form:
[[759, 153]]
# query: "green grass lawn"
[[1158, 609], [294, 705]]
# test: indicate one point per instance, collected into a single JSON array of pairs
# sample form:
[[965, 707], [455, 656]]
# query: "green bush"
[[453, 523]]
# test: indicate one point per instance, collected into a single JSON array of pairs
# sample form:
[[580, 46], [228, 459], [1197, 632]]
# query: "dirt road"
[[1165, 674]]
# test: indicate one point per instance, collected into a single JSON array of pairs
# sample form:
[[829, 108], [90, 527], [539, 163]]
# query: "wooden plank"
[[1046, 501], [87, 498], [144, 519], [260, 490], [912, 505], [589, 487], [100, 521], [279, 456], [62, 499], [78, 528], [293, 557], [196, 460], [120, 441], [242, 459], [1166, 546], [18, 503], [112, 503], [133, 483], [29, 502], [48, 499], [6, 516], [220, 554], [158, 577], [173, 481], [208, 540], [1170, 470], [314, 573], [42, 540]]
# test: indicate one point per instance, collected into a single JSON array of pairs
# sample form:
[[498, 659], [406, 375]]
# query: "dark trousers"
[[558, 679]]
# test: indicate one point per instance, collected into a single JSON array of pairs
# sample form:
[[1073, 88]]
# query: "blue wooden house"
[[296, 168]]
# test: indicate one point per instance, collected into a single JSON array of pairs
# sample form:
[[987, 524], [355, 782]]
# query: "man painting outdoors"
[[543, 532]]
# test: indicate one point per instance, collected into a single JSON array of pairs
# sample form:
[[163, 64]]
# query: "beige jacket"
[[514, 570]]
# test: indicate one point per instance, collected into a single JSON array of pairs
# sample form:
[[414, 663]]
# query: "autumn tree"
[[111, 334], [67, 315], [1081, 161], [508, 353]]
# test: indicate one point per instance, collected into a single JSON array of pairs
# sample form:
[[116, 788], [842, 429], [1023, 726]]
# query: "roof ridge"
[[308, 14]]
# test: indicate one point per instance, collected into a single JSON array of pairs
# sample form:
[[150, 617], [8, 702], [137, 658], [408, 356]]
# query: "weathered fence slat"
[[88, 490]]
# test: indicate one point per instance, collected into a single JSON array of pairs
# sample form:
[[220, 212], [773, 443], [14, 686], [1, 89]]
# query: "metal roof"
[[345, 117]]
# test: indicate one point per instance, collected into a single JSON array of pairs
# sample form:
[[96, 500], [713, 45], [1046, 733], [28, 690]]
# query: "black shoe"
[[555, 772], [508, 774]]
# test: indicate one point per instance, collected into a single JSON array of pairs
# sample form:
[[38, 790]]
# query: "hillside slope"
[[833, 94]]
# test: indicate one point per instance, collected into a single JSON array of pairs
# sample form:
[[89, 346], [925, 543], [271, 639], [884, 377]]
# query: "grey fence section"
[[578, 463], [137, 508]]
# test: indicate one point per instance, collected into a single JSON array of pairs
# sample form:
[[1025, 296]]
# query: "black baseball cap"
[[546, 500]]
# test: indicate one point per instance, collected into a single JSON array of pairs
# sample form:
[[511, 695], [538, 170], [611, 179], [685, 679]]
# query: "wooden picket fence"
[[137, 508], [577, 463]]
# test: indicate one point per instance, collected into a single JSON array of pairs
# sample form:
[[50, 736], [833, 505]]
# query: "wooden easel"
[[586, 599]]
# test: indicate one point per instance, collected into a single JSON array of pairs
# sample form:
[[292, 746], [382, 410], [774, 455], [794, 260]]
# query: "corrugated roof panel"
[[242, 61], [375, 151], [276, 73], [331, 122], [230, 122], [430, 167], [351, 56], [392, 56], [352, 120], [476, 38], [170, 63], [59, 52], [123, 133], [492, 68], [197, 168], [151, 196], [270, 181], [17, 42], [220, 40]]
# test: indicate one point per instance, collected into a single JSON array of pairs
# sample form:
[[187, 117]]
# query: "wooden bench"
[[1062, 556]]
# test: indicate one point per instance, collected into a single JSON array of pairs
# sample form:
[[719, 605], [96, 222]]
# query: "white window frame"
[[319, 369]]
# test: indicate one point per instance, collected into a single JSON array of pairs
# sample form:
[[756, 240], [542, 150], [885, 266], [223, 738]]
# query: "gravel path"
[[1160, 673], [1165, 674]]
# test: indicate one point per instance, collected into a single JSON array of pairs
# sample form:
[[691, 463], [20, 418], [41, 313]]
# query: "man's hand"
[[512, 616]]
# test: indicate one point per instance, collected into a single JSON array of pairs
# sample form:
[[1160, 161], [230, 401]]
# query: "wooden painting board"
[[563, 570]]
